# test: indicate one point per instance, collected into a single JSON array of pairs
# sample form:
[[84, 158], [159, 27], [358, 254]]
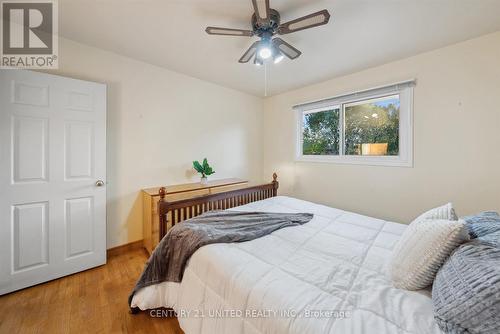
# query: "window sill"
[[358, 160]]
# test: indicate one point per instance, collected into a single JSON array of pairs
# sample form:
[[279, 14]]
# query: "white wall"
[[456, 138], [158, 122]]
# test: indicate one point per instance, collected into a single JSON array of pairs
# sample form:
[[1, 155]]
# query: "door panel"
[[31, 94], [30, 236], [52, 152], [29, 138], [78, 139], [79, 226], [80, 100]]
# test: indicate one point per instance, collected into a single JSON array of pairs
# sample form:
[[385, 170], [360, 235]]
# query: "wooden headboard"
[[179, 210]]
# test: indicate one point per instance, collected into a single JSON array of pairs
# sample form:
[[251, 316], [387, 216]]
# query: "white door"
[[52, 162]]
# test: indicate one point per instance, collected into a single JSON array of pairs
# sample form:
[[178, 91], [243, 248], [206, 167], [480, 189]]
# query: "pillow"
[[482, 223], [422, 249], [441, 212], [466, 291], [492, 239]]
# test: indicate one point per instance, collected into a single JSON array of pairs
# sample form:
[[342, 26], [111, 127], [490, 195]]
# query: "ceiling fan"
[[265, 24]]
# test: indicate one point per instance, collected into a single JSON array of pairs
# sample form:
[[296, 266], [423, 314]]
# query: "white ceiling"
[[361, 34]]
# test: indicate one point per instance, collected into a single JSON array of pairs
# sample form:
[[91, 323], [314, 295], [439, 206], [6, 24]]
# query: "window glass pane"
[[372, 127], [320, 132]]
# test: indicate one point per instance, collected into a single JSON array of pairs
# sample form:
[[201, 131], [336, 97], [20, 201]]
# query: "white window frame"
[[405, 157]]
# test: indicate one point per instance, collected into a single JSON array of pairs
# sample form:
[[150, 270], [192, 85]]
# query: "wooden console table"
[[150, 198]]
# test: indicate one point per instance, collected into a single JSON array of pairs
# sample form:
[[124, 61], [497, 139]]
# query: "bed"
[[327, 276]]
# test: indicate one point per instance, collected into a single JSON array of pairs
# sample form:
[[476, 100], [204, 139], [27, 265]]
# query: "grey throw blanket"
[[170, 257]]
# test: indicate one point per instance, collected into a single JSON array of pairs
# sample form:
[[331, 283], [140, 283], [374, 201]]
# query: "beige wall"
[[456, 138], [158, 122]]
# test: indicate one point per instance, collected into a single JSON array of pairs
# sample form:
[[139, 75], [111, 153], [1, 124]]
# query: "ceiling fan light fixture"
[[265, 48], [265, 24], [258, 61], [278, 58], [265, 52]]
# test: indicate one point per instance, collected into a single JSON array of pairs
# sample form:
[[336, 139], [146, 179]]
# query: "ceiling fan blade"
[[262, 10], [305, 22], [286, 48], [228, 31], [249, 53]]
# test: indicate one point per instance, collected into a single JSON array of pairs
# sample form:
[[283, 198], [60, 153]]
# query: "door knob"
[[99, 183]]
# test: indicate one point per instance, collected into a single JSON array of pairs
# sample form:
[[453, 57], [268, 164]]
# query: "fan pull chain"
[[265, 79]]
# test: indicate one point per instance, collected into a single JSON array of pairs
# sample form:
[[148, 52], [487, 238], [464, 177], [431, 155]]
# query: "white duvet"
[[327, 276]]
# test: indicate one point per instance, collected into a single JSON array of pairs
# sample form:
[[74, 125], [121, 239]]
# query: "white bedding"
[[297, 280]]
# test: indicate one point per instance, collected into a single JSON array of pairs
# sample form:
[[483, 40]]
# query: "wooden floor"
[[93, 301]]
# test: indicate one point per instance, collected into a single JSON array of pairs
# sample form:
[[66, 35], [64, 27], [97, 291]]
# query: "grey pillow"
[[482, 223], [466, 291], [492, 239]]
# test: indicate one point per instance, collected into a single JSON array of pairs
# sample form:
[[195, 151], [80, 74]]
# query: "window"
[[369, 127], [372, 126], [320, 132]]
